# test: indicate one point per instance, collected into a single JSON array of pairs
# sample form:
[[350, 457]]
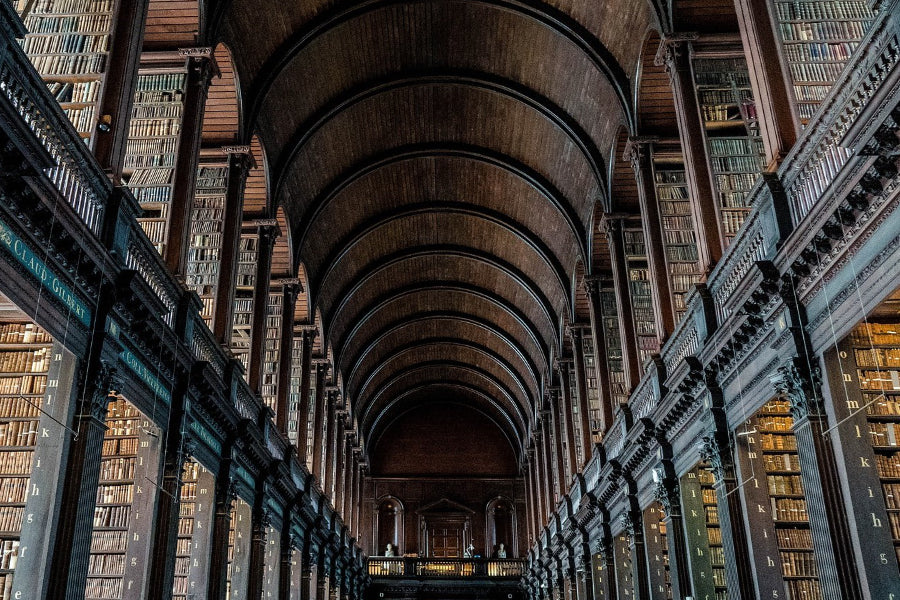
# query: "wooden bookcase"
[[874, 356], [272, 562], [272, 349], [153, 140], [657, 546], [576, 421], [612, 337], [242, 322], [68, 44], [123, 517], [310, 420], [704, 534], [777, 505], [293, 417], [678, 229], [818, 37], [206, 242], [641, 294], [26, 352], [593, 385], [732, 135]]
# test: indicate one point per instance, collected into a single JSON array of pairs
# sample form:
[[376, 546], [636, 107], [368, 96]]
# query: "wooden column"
[[548, 464], [199, 75], [557, 415], [639, 152], [308, 334], [601, 359], [114, 111], [319, 418], [306, 581], [339, 446], [224, 499], [584, 408], [533, 474], [286, 560], [779, 124], [290, 289], [562, 366], [260, 522], [675, 54], [268, 232], [634, 530], [612, 227], [238, 169], [529, 501]]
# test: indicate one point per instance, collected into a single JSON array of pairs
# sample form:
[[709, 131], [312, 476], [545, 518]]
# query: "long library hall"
[[450, 300]]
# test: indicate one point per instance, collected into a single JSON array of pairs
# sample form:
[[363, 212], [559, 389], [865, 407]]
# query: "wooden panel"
[[172, 24], [220, 120], [256, 190], [656, 104], [713, 16]]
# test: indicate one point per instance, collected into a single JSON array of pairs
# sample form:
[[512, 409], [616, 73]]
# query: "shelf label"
[[146, 375], [205, 436], [48, 280]]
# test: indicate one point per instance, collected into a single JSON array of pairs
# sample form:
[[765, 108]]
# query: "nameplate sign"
[[46, 278], [206, 437], [196, 52], [235, 149], [146, 375]]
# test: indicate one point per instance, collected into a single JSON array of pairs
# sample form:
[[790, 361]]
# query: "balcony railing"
[[451, 568]]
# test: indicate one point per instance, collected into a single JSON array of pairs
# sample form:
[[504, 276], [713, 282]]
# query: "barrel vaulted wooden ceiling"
[[439, 164]]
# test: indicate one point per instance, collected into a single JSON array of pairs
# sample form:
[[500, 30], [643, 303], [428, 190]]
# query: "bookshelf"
[[238, 551], [641, 294], [679, 232], [271, 563], [272, 349], [207, 226], [875, 354], [293, 417], [311, 420], [592, 382], [612, 337], [576, 421], [26, 352], [187, 505], [703, 532], [124, 507], [152, 146], [242, 322], [818, 37], [68, 44], [657, 546], [787, 502], [732, 134], [624, 568]]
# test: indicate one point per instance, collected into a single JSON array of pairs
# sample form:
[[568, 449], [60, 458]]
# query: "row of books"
[[23, 384], [784, 484], [109, 541], [115, 494], [787, 462], [25, 361], [773, 423], [160, 82], [789, 509], [71, 6], [816, 72], [736, 146], [155, 127], [686, 253], [803, 589], [778, 442], [16, 462], [888, 466], [23, 333], [9, 554], [18, 433], [11, 518], [733, 219], [112, 517], [736, 181], [719, 113], [884, 434], [153, 147], [13, 489], [726, 94], [794, 537], [790, 10], [82, 118], [151, 177], [49, 65], [106, 564], [117, 469], [821, 31], [147, 161], [65, 43], [877, 334], [881, 379], [835, 51], [877, 357], [731, 164], [37, 23], [103, 587], [727, 73]]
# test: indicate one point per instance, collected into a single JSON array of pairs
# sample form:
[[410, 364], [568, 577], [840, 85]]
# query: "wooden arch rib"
[[302, 312], [486, 295], [375, 268], [534, 179], [547, 16], [448, 344], [485, 81], [439, 371], [222, 113], [376, 343], [374, 428]]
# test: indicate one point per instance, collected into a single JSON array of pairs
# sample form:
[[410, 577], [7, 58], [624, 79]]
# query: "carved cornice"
[[800, 385]]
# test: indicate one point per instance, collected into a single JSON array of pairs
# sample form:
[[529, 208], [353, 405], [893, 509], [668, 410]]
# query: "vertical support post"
[[584, 409], [289, 299], [601, 360], [238, 169], [267, 234], [612, 227]]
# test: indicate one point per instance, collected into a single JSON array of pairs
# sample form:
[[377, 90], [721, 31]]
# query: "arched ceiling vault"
[[439, 165]]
